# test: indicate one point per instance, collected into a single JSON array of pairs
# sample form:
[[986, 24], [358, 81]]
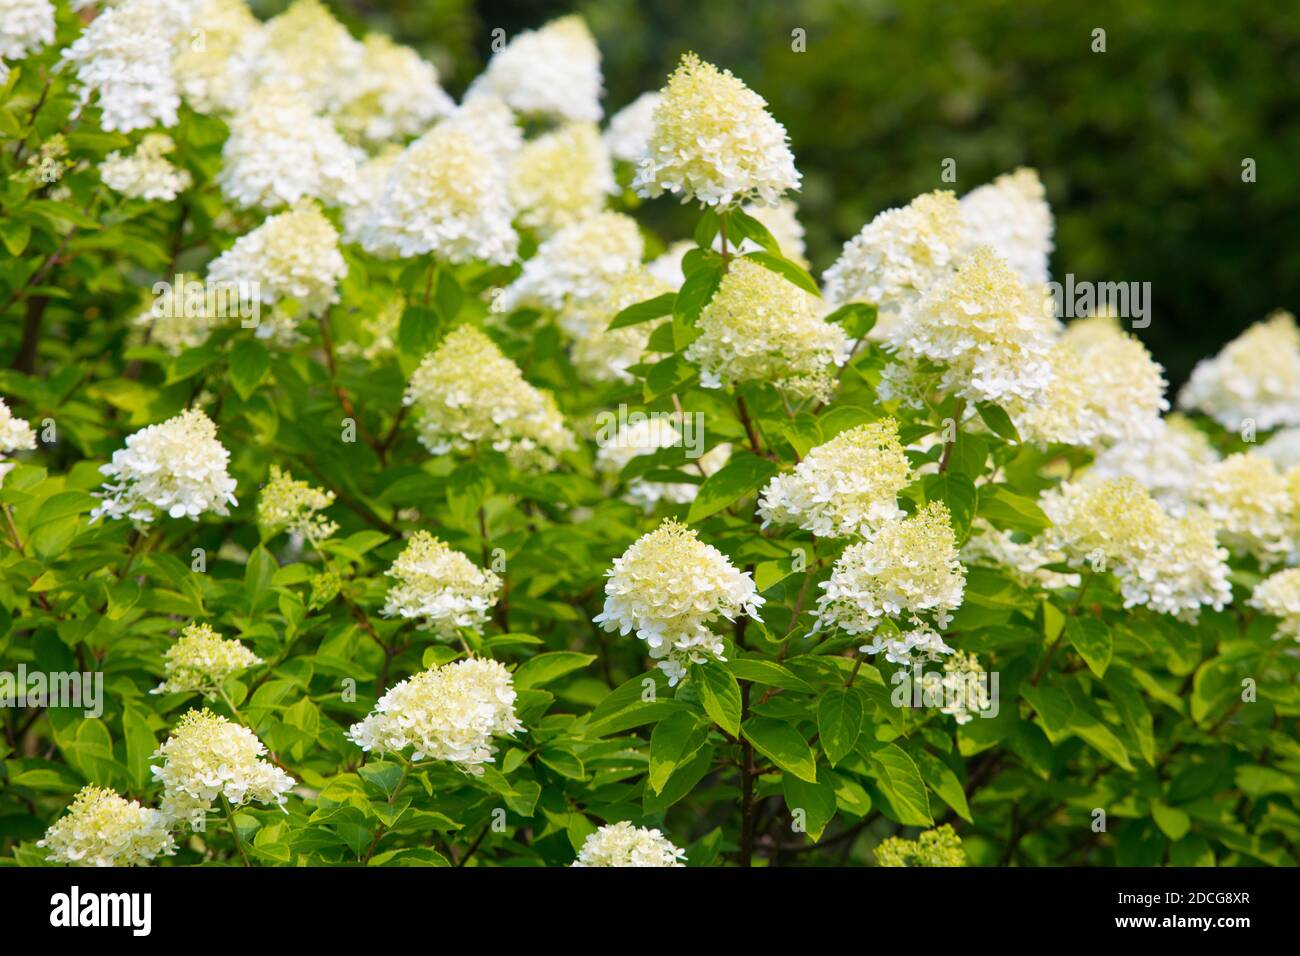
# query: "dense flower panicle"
[[177, 468], [1012, 216], [490, 123], [287, 504], [899, 254], [907, 568], [306, 50], [102, 828], [579, 262], [938, 847], [1255, 378], [1173, 566], [15, 433], [208, 757], [292, 255], [628, 135], [670, 587], [146, 173], [212, 75], [602, 355], [440, 588], [714, 142], [125, 56], [760, 327], [551, 72], [1105, 388], [25, 27], [279, 151], [176, 320], [443, 195], [396, 94], [1166, 462], [201, 660], [1249, 499], [847, 486], [645, 437], [991, 332], [1279, 595], [621, 844], [363, 198], [467, 393], [668, 265], [450, 713], [560, 178], [1283, 448]]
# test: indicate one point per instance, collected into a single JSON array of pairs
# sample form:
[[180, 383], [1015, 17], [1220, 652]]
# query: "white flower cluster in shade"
[[1282, 448], [395, 94], [844, 487], [306, 50], [217, 74], [713, 142], [622, 844], [628, 135], [670, 588], [443, 195], [553, 72], [1011, 215], [15, 435], [291, 255], [560, 178], [451, 713], [102, 828], [907, 568], [1171, 565], [201, 660], [645, 437], [1255, 506], [1255, 378], [599, 353], [468, 394], [206, 758], [918, 645], [25, 27], [1105, 388], [1166, 462], [440, 588], [287, 504], [176, 468], [491, 124], [146, 173], [1279, 595], [760, 327], [578, 262]]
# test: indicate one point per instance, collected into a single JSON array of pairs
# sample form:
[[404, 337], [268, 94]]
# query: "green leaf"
[[258, 572], [940, 778], [140, 746], [691, 299], [249, 364], [1009, 511], [958, 493], [675, 740], [544, 668], [839, 722], [1092, 639], [857, 318], [998, 421], [900, 781], [781, 744], [745, 473], [811, 804], [1173, 823], [741, 226], [646, 311], [788, 270], [563, 762], [706, 230], [1128, 699], [720, 695]]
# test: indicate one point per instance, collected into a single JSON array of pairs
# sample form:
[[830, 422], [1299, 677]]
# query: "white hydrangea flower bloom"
[[1105, 388], [468, 394], [396, 94], [443, 195], [599, 353], [1279, 595], [450, 713], [208, 757], [645, 437], [307, 51], [279, 151], [201, 660], [102, 828], [1256, 378], [213, 75], [440, 588], [1251, 502], [25, 27], [146, 173], [760, 327], [579, 261], [490, 123], [1283, 448], [991, 332], [908, 567], [899, 254], [1025, 559], [561, 178], [714, 142], [846, 486], [621, 844], [554, 72], [1165, 462], [1012, 216], [177, 468], [670, 587], [294, 506], [15, 433], [628, 135], [125, 55], [292, 255]]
